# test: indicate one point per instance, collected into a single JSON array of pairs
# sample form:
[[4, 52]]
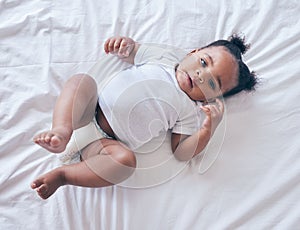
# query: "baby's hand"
[[121, 46], [214, 115]]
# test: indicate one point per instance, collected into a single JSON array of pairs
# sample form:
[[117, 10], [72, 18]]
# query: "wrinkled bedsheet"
[[247, 178]]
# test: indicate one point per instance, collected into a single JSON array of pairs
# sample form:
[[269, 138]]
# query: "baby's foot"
[[54, 140], [47, 184]]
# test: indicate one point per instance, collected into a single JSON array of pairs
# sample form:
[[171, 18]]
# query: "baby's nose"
[[199, 77]]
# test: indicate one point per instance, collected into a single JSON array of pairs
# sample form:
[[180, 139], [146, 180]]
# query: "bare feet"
[[54, 140], [48, 183]]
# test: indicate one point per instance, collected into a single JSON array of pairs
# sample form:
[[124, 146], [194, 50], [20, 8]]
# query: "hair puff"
[[239, 42]]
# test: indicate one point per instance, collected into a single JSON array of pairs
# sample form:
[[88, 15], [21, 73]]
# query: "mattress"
[[247, 177]]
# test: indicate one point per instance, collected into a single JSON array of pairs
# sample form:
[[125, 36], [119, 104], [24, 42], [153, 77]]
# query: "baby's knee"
[[85, 82], [82, 78], [125, 157]]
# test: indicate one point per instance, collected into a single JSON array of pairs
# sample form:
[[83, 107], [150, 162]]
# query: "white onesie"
[[145, 100]]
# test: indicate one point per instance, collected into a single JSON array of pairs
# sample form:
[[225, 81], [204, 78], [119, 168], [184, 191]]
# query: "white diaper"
[[81, 138]]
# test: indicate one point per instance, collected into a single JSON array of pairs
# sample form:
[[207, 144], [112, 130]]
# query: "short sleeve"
[[158, 54], [189, 120]]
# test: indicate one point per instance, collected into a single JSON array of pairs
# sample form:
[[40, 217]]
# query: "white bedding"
[[250, 179]]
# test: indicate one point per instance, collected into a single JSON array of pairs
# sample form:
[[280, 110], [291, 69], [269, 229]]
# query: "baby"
[[178, 83]]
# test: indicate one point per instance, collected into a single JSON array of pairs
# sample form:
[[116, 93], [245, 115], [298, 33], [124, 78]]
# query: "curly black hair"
[[237, 46]]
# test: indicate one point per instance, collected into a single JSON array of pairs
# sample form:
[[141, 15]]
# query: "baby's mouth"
[[189, 79], [185, 73]]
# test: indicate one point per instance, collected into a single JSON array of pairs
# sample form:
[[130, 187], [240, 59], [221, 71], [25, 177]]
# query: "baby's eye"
[[211, 84], [203, 63]]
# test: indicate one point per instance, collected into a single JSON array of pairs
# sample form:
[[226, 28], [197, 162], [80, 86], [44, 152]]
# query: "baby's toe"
[[36, 183], [41, 138], [55, 141], [33, 185], [42, 189], [48, 137], [37, 138]]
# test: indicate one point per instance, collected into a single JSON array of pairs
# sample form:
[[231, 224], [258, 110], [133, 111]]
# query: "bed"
[[250, 179]]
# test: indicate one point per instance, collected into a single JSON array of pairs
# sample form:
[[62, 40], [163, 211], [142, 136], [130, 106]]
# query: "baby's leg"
[[113, 161], [75, 108]]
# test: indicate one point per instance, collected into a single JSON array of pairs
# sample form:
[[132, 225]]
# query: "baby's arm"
[[126, 48], [186, 147]]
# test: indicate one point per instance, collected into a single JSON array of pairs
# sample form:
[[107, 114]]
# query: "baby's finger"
[[123, 46], [111, 45], [206, 110], [106, 44], [220, 104], [117, 45], [213, 110]]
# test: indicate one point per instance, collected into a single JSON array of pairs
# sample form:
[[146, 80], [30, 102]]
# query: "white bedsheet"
[[254, 181]]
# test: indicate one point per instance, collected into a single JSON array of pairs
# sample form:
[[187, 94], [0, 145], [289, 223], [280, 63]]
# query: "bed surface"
[[250, 179]]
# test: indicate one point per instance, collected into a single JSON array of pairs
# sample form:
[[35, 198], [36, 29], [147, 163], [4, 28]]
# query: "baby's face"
[[207, 73]]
